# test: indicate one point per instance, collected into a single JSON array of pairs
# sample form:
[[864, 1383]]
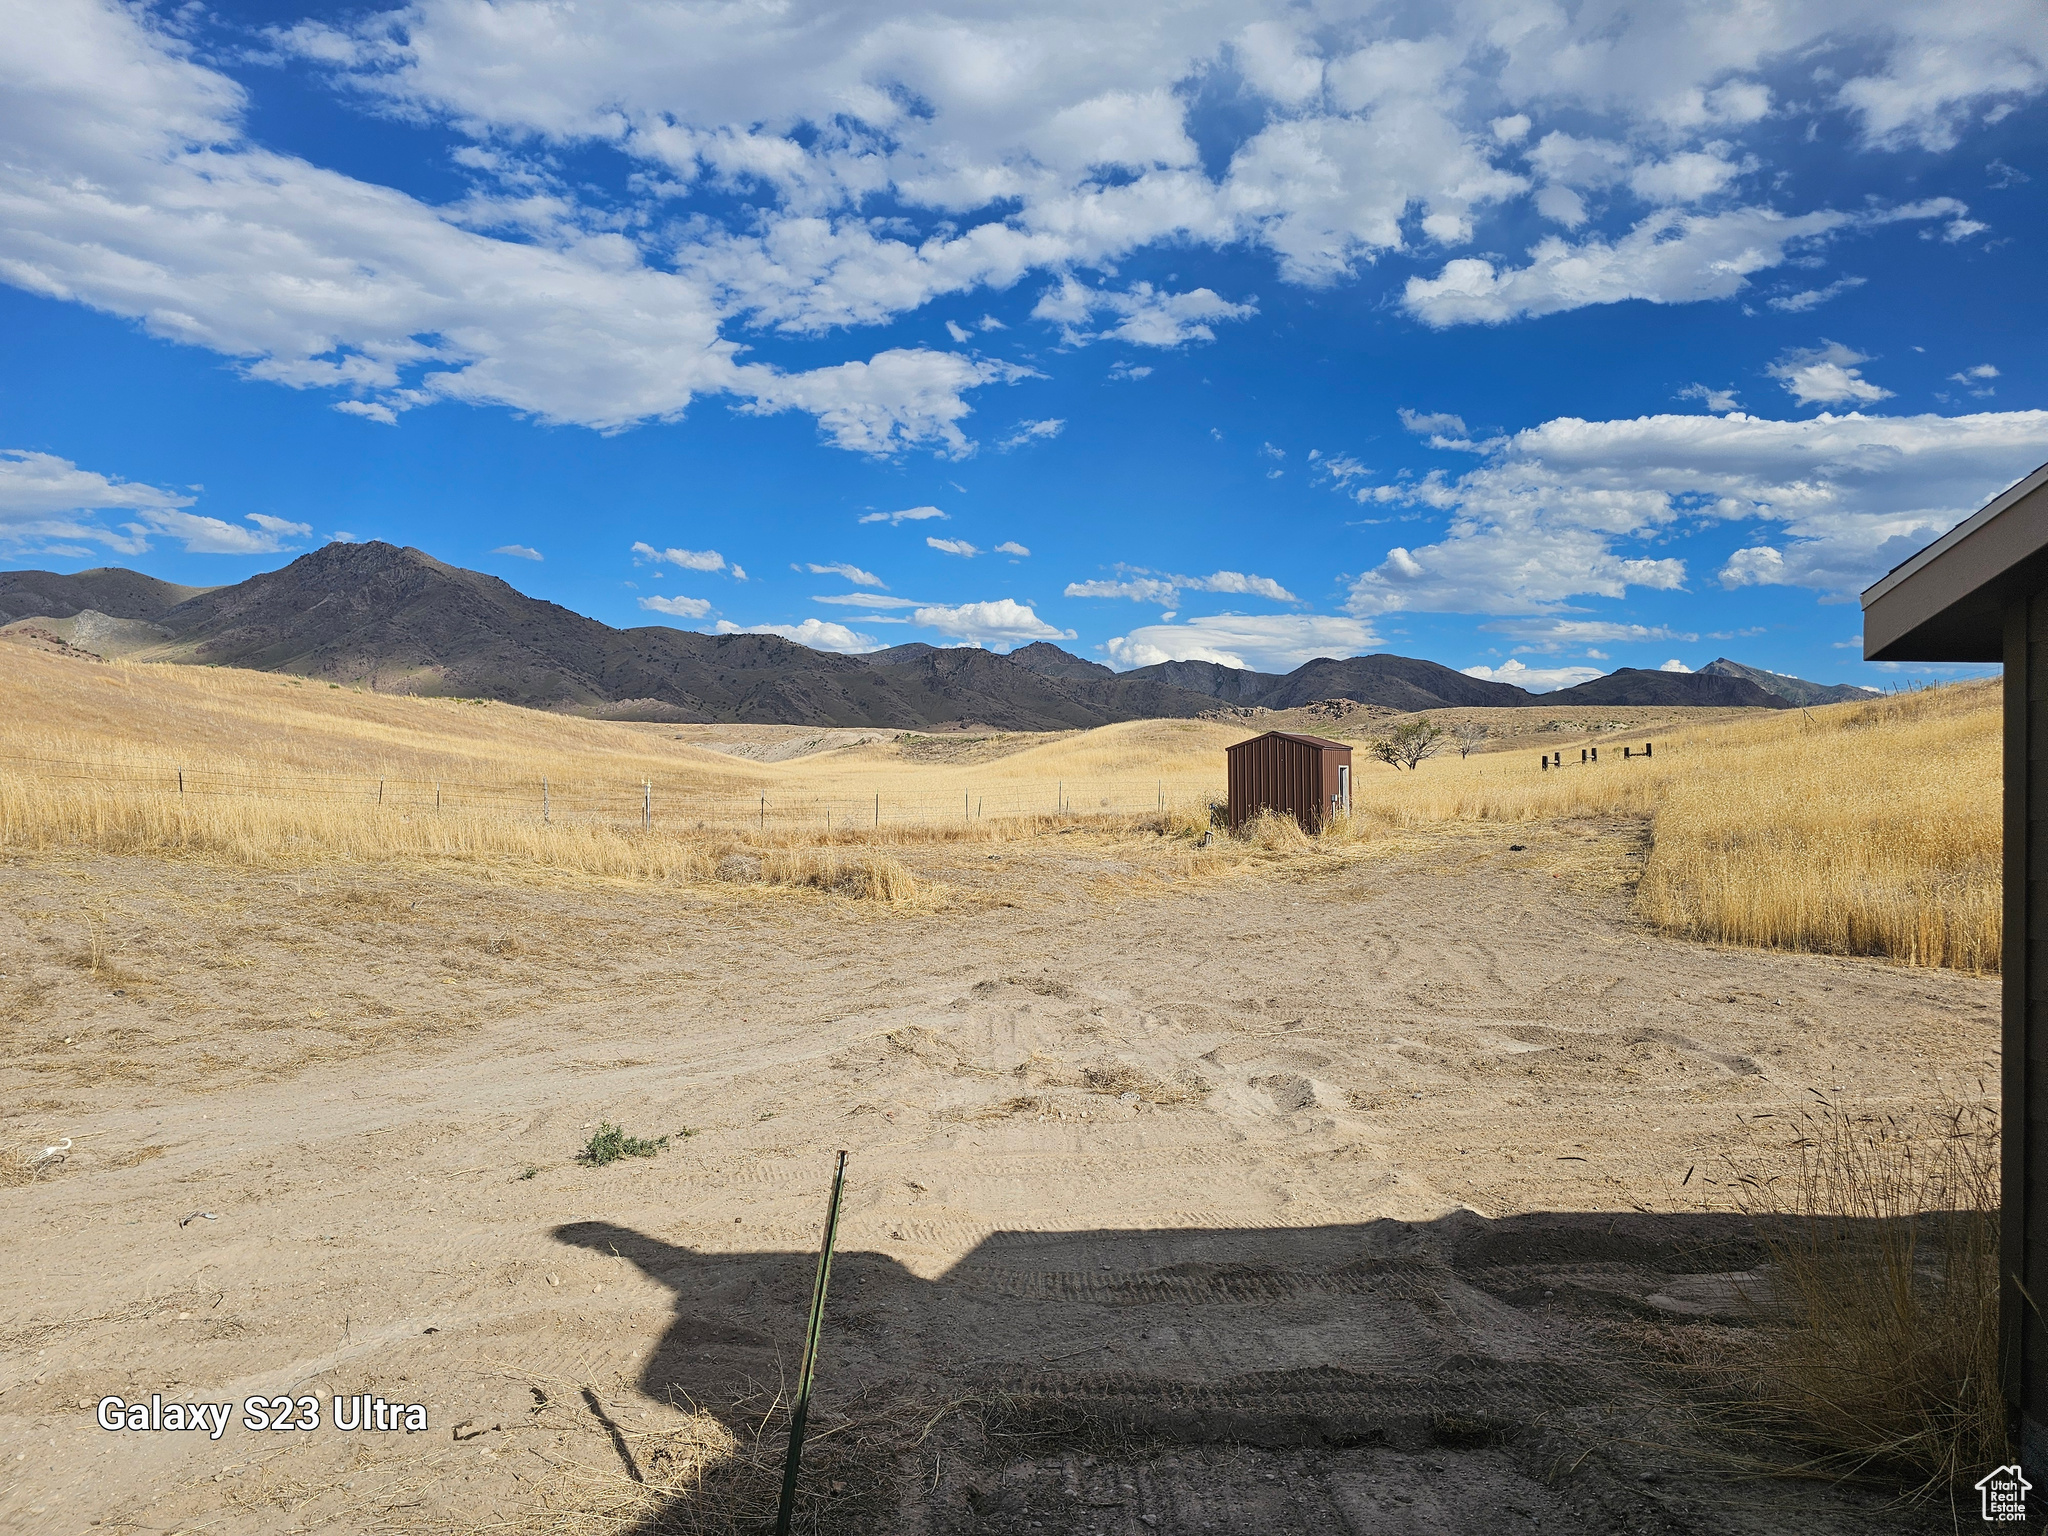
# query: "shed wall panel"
[[1275, 772]]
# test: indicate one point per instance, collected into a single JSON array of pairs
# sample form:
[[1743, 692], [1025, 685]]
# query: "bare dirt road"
[[1249, 1205]]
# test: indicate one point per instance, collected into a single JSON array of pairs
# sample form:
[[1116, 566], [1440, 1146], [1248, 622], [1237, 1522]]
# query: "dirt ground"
[[1255, 1205]]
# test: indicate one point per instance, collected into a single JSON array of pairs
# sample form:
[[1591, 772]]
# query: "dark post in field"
[[802, 1409]]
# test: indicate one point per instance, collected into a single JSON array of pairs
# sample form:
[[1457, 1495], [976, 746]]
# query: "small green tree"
[[1410, 742]]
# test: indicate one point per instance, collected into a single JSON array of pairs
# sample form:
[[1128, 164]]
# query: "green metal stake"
[[802, 1411]]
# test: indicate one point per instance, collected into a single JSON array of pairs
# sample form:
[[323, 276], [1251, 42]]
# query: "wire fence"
[[649, 802]]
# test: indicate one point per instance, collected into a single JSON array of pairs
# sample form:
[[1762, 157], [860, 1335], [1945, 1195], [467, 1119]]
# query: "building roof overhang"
[[1947, 603]]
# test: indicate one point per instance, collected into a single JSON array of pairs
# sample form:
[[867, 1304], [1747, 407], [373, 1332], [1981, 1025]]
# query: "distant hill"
[[114, 592], [1796, 690], [1634, 685], [1227, 685], [1400, 682], [400, 621]]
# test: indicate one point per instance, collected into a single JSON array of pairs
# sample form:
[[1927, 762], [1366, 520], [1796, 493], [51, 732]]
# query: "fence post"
[[437, 796], [546, 812], [800, 1412], [764, 815], [380, 791], [878, 813], [181, 782], [646, 804]]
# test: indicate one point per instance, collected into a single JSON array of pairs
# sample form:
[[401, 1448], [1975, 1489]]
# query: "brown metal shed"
[[1980, 593], [1308, 777]]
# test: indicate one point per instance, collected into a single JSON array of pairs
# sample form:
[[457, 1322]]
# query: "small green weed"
[[529, 1172], [612, 1143]]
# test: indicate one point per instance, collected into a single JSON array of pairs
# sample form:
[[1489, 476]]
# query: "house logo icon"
[[2005, 1495]]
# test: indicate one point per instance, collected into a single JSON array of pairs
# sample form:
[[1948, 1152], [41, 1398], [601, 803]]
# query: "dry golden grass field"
[[1395, 1180], [1850, 829]]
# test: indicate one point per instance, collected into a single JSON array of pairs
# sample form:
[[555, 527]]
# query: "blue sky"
[[1533, 339]]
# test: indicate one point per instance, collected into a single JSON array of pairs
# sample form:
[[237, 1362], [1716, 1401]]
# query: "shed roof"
[[1947, 602], [1307, 741]]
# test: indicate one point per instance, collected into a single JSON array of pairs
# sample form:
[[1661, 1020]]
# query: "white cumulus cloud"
[[1143, 586], [1139, 589], [1550, 635], [953, 547], [902, 398], [1534, 679], [1719, 401], [865, 600], [1013, 548], [1029, 432], [46, 501], [801, 169], [999, 624], [518, 551], [681, 559], [1812, 298], [908, 515], [677, 607], [1574, 509], [818, 634], [1826, 375], [1259, 642], [852, 573], [1143, 315]]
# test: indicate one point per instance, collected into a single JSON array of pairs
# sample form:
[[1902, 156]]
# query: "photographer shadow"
[[1383, 1337]]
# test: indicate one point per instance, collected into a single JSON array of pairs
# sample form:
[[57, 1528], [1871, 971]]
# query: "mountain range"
[[398, 620]]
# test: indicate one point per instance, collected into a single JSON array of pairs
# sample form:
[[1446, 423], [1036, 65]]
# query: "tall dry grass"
[[1863, 829], [1874, 1350]]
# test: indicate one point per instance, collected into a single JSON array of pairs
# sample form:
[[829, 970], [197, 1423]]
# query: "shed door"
[[1344, 787]]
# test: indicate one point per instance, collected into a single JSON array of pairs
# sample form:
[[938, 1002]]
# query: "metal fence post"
[[802, 1410]]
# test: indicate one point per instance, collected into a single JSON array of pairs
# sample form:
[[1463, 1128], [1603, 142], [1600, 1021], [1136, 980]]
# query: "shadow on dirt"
[[1391, 1377]]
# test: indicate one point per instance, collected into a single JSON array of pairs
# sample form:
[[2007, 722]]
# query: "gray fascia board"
[[1963, 561]]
